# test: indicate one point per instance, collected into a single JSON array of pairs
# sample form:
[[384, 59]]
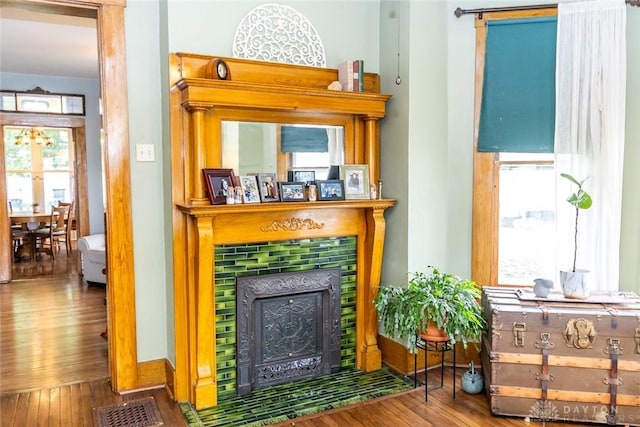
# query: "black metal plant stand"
[[438, 346]]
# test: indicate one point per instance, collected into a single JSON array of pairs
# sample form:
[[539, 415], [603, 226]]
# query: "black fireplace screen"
[[288, 327]]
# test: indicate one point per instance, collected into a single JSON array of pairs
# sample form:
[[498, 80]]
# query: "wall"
[[91, 90], [630, 235], [154, 308], [426, 137], [394, 137], [437, 51], [348, 29], [417, 166], [154, 28]]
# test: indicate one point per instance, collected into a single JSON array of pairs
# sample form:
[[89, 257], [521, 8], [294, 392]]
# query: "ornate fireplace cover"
[[288, 327]]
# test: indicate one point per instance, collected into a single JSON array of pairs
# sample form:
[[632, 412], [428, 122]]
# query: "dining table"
[[30, 222]]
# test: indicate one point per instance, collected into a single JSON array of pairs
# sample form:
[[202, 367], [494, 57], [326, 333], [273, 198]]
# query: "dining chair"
[[56, 232], [71, 223], [18, 237]]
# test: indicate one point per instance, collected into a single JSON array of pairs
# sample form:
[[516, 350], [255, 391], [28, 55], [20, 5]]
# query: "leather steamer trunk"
[[555, 359]]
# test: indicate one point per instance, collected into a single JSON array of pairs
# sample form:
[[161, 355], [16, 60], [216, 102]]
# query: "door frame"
[[121, 317]]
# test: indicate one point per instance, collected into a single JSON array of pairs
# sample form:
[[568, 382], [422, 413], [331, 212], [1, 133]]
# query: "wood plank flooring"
[[50, 327], [53, 366], [76, 405], [409, 409]]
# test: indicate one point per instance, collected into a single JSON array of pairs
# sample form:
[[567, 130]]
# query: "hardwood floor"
[[76, 405], [50, 326], [409, 409], [53, 366]]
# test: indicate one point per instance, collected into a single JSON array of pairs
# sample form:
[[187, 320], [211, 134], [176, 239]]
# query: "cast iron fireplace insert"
[[287, 327]]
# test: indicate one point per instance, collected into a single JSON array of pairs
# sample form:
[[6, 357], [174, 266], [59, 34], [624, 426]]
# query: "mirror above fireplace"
[[256, 147]]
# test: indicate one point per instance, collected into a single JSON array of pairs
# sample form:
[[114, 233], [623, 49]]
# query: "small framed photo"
[[332, 189], [249, 186], [356, 181], [217, 183], [292, 192], [306, 177], [268, 187]]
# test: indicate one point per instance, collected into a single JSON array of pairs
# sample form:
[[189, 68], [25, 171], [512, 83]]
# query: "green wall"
[[426, 138], [154, 28]]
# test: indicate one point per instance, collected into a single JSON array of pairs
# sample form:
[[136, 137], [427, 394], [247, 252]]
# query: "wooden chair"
[[56, 233], [18, 234], [18, 238], [71, 222]]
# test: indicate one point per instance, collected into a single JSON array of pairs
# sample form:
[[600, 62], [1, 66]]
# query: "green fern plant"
[[444, 299]]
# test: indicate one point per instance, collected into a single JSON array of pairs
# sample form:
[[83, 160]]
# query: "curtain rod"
[[459, 11]]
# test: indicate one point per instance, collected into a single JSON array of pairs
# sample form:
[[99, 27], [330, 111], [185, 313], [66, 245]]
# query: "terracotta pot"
[[433, 333]]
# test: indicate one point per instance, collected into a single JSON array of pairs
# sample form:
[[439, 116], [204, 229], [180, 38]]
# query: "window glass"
[[56, 188], [526, 234], [38, 172], [56, 156], [20, 192]]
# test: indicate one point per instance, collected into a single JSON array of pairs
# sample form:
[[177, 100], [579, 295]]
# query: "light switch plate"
[[145, 153]]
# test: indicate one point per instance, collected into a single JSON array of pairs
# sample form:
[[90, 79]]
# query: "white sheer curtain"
[[589, 138]]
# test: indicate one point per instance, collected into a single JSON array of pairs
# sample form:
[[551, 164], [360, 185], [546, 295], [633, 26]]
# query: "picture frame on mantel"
[[250, 192], [332, 189], [293, 192], [217, 183], [268, 187], [356, 181]]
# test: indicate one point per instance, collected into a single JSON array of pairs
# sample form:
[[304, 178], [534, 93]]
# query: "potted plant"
[[449, 302], [574, 282]]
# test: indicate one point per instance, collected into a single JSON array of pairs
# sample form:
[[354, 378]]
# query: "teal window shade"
[[518, 96], [299, 139]]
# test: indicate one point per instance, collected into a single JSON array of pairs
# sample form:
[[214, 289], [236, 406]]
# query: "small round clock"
[[220, 69]]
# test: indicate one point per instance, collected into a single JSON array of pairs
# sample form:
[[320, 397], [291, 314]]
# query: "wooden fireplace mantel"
[[281, 93]]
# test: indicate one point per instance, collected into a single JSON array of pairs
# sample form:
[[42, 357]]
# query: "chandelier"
[[33, 136]]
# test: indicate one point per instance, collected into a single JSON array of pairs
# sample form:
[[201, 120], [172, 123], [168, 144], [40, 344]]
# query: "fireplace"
[[275, 239], [288, 327]]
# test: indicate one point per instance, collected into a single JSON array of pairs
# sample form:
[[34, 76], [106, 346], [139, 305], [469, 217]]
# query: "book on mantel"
[[351, 75]]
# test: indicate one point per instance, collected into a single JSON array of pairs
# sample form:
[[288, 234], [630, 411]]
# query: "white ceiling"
[[33, 42]]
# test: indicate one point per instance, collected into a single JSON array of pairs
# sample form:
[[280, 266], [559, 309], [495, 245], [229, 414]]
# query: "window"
[[38, 172], [41, 101], [526, 218], [514, 176]]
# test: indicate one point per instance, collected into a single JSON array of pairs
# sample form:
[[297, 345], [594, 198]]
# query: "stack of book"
[[351, 75]]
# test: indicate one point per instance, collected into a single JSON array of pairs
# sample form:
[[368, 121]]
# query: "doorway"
[[109, 16]]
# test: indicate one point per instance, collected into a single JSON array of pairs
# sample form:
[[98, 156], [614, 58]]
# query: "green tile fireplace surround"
[[252, 259]]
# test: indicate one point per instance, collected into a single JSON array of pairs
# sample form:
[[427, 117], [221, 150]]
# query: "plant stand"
[[438, 346]]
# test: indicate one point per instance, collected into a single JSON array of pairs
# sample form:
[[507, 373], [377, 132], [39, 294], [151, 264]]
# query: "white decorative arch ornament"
[[278, 33]]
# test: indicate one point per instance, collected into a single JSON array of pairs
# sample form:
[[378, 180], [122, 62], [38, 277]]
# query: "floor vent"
[[135, 413]]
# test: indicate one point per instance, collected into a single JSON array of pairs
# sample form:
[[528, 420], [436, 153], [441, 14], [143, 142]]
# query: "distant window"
[[41, 101], [39, 173]]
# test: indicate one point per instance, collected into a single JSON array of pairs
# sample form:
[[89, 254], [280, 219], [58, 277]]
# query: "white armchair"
[[92, 249]]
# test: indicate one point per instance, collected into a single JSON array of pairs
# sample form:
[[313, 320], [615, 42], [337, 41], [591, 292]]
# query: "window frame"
[[486, 166]]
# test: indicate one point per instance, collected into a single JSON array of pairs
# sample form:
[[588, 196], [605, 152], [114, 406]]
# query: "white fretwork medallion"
[[278, 33]]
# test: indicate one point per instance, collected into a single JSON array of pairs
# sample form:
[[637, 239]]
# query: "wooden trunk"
[[554, 359]]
